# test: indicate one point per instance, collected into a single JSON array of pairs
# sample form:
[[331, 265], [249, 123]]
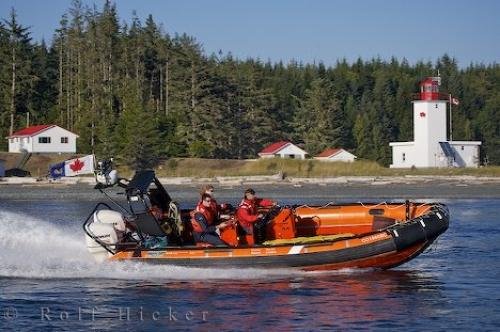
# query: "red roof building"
[[30, 131], [275, 147], [336, 154], [283, 149], [44, 139]]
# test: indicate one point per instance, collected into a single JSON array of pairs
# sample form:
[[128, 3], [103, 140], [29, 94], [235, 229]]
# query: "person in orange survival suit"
[[220, 210], [204, 225], [248, 215]]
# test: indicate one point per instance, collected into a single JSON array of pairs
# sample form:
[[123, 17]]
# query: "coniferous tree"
[[362, 133], [138, 140], [320, 118], [43, 88], [255, 103], [4, 86], [19, 51]]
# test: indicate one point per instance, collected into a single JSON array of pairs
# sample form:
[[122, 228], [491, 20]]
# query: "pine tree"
[[138, 140], [320, 119], [43, 88], [4, 86], [362, 133], [20, 49], [254, 106]]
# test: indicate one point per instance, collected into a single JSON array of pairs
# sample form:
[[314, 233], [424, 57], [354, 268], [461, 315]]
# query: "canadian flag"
[[455, 101], [83, 165]]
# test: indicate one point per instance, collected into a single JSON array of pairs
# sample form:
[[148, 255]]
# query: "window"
[[404, 157], [64, 140], [463, 147], [44, 140], [12, 140]]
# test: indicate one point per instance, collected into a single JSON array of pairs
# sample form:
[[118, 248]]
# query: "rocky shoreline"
[[274, 179]]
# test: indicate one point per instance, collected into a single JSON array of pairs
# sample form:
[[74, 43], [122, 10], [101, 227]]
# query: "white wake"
[[35, 248]]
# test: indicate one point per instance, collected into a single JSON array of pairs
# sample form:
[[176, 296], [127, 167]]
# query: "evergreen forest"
[[138, 92]]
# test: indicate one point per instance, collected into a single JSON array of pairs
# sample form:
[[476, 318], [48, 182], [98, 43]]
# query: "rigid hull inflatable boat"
[[328, 237]]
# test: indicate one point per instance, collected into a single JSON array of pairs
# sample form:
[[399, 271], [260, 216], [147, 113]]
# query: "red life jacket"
[[208, 214], [247, 212]]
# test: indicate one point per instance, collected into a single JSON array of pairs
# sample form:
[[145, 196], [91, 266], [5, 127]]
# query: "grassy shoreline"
[[202, 168], [302, 168]]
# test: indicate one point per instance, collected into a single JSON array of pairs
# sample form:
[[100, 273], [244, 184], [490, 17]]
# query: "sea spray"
[[36, 248]]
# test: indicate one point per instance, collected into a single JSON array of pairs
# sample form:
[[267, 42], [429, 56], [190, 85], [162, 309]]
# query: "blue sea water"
[[49, 282]]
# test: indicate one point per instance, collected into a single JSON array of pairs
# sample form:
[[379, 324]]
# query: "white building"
[[430, 147], [283, 149], [336, 155], [43, 138]]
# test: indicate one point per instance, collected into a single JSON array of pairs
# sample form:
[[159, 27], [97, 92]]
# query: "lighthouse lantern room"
[[430, 147]]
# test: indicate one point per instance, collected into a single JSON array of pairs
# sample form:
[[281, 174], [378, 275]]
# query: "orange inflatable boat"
[[357, 235]]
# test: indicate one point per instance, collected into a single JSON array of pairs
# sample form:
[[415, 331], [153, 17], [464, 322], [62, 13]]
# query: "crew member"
[[204, 223], [221, 210], [249, 216]]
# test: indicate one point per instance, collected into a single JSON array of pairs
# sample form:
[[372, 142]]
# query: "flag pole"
[[451, 128]]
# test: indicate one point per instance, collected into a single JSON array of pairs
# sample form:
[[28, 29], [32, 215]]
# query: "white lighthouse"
[[430, 147]]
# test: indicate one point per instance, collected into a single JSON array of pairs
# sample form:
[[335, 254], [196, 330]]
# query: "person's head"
[[207, 189], [250, 193], [206, 199]]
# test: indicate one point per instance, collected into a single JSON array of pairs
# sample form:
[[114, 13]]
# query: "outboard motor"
[[108, 227], [105, 175]]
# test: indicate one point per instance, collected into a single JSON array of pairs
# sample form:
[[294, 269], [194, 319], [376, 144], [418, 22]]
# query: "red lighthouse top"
[[429, 88]]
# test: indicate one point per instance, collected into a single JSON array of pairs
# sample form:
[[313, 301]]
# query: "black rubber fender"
[[433, 226], [408, 234]]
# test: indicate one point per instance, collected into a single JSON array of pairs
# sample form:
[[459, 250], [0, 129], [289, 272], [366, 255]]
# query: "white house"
[[282, 149], [336, 155], [43, 138], [430, 147]]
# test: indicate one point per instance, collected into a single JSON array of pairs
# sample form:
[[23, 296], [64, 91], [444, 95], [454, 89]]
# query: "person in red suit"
[[204, 222], [248, 214]]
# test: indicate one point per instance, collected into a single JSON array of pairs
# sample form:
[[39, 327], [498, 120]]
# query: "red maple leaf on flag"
[[77, 165]]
